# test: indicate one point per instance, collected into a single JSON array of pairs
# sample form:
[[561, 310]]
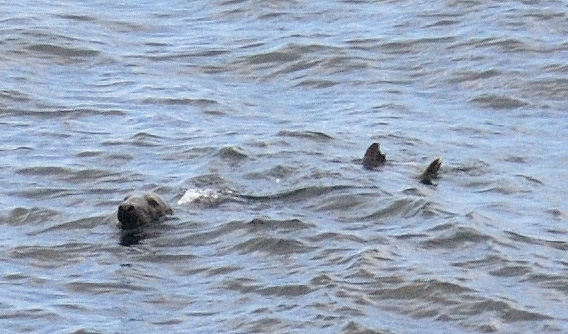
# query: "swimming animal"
[[137, 211], [373, 158]]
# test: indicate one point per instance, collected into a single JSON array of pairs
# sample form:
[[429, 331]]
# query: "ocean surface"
[[251, 119]]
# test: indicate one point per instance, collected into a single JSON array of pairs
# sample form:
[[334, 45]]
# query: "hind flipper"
[[431, 172]]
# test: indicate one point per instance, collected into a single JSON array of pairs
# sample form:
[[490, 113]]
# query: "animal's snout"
[[127, 215], [139, 211]]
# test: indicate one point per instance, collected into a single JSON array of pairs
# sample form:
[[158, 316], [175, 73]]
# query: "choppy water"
[[262, 110]]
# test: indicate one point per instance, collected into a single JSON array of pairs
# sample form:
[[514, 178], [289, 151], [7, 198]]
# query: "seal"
[[373, 157], [137, 211]]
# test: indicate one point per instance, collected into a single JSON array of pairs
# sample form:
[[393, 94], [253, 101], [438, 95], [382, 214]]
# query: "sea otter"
[[137, 211], [374, 158]]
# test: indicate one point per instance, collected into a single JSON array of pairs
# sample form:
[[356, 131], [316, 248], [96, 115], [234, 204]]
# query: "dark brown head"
[[373, 157], [137, 211]]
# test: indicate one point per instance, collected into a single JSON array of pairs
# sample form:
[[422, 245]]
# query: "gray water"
[[262, 110]]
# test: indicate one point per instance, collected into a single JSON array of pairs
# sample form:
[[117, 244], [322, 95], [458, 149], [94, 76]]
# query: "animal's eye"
[[127, 197], [152, 202]]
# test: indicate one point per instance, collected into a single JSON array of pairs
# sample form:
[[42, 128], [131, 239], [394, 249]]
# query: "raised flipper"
[[431, 172], [373, 157]]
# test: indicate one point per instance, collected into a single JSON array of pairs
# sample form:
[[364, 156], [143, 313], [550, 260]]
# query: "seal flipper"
[[431, 172], [373, 157]]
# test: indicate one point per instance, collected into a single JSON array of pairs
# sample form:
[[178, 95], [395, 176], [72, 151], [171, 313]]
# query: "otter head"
[[373, 157], [137, 211]]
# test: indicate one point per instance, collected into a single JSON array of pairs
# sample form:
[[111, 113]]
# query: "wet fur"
[[431, 172], [373, 157], [138, 211]]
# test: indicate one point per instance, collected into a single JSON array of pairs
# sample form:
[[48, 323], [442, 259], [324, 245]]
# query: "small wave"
[[553, 88], [15, 96], [145, 139], [337, 237], [22, 216], [314, 83], [516, 159], [181, 101], [406, 207], [505, 309], [498, 102], [312, 135], [272, 245], [208, 180], [81, 18], [67, 174], [272, 57], [450, 301], [51, 256], [297, 194], [423, 289], [44, 171], [474, 76], [549, 281], [103, 288], [341, 202], [457, 237], [506, 44], [61, 51], [355, 328], [291, 290], [556, 213], [83, 223], [511, 271], [44, 193], [531, 179], [273, 224], [518, 237], [500, 187], [486, 261], [443, 23], [205, 237], [232, 153], [276, 173], [474, 168]]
